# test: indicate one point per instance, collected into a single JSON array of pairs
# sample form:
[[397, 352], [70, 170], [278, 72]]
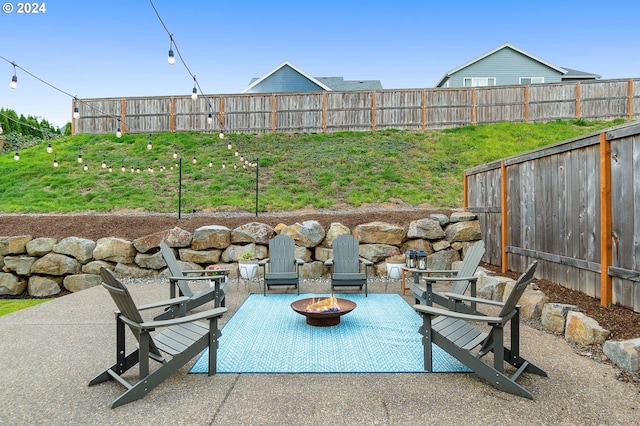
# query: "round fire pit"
[[323, 318]]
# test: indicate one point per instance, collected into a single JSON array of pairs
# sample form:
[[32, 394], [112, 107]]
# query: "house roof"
[[255, 82], [326, 83], [561, 70], [577, 74]]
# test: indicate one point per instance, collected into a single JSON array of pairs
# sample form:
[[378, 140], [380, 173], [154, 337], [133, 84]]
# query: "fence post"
[[606, 222], [423, 105], [273, 113], [473, 106], [324, 112], [504, 209], [578, 112], [172, 115], [526, 103], [630, 100], [373, 110], [222, 124], [122, 115]]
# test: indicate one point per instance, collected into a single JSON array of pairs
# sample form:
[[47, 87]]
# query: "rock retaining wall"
[[45, 266]]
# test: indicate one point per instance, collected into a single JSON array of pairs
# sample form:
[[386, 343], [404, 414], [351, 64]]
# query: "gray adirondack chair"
[[345, 264], [453, 332], [283, 266], [183, 339], [180, 278], [461, 280]]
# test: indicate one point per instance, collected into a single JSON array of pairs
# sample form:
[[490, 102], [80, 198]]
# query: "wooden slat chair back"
[[345, 264], [461, 280], [452, 331], [283, 265], [180, 279], [182, 338]]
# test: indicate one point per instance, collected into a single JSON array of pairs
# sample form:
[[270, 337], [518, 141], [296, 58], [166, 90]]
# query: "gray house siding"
[[286, 79], [507, 66]]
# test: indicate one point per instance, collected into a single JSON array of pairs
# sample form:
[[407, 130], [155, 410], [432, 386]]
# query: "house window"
[[479, 81], [531, 80]]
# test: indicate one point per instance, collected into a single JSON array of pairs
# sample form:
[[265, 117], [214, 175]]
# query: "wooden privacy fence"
[[573, 206], [321, 112]]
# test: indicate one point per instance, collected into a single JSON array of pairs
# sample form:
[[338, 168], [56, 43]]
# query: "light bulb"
[[237, 153], [171, 59], [79, 158], [86, 167], [150, 146], [122, 169], [229, 146], [55, 162], [49, 148], [17, 156], [104, 164], [221, 136], [210, 163], [224, 165], [110, 168], [14, 82], [76, 112], [138, 169], [119, 133], [209, 119], [195, 161], [194, 94], [175, 154]]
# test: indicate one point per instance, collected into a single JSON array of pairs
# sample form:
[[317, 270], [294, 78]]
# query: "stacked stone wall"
[[45, 266]]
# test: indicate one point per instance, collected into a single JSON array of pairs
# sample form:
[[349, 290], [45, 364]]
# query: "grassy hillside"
[[295, 170]]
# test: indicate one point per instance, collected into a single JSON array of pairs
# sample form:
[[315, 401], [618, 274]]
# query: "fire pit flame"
[[330, 304]]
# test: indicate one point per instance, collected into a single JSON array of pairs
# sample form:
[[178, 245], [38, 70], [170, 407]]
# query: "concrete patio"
[[49, 353]]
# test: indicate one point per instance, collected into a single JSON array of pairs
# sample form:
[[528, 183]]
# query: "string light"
[[14, 79], [209, 119], [194, 92], [119, 132], [55, 161], [210, 163], [229, 145], [221, 136], [149, 145], [80, 156], [175, 154], [110, 168], [17, 156], [195, 160], [49, 148], [86, 167], [171, 59], [122, 169], [104, 164], [76, 111]]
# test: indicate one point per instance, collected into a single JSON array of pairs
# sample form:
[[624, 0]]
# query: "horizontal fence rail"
[[322, 112], [573, 206]]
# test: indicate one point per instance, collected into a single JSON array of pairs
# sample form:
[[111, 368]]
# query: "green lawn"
[[295, 170], [11, 305]]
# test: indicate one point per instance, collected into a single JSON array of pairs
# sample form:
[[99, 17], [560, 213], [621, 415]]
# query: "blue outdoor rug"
[[379, 336]]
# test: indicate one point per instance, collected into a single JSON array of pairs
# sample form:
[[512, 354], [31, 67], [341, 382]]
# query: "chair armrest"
[[206, 271], [464, 298], [431, 311], [264, 261], [299, 261], [207, 278], [442, 271], [328, 262], [433, 279], [174, 301], [366, 262], [211, 313]]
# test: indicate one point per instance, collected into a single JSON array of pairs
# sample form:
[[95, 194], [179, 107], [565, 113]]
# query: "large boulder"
[[94, 267], [150, 261], [40, 246], [174, 237], [21, 265], [200, 256], [79, 248], [11, 284], [309, 233], [253, 232], [133, 271], [335, 230], [114, 250], [625, 354], [75, 283], [428, 229], [55, 264], [42, 286], [380, 232], [463, 231], [584, 330], [211, 236], [14, 245], [554, 316], [234, 252], [376, 252], [442, 259]]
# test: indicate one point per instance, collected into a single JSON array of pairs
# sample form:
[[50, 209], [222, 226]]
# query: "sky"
[[118, 48]]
